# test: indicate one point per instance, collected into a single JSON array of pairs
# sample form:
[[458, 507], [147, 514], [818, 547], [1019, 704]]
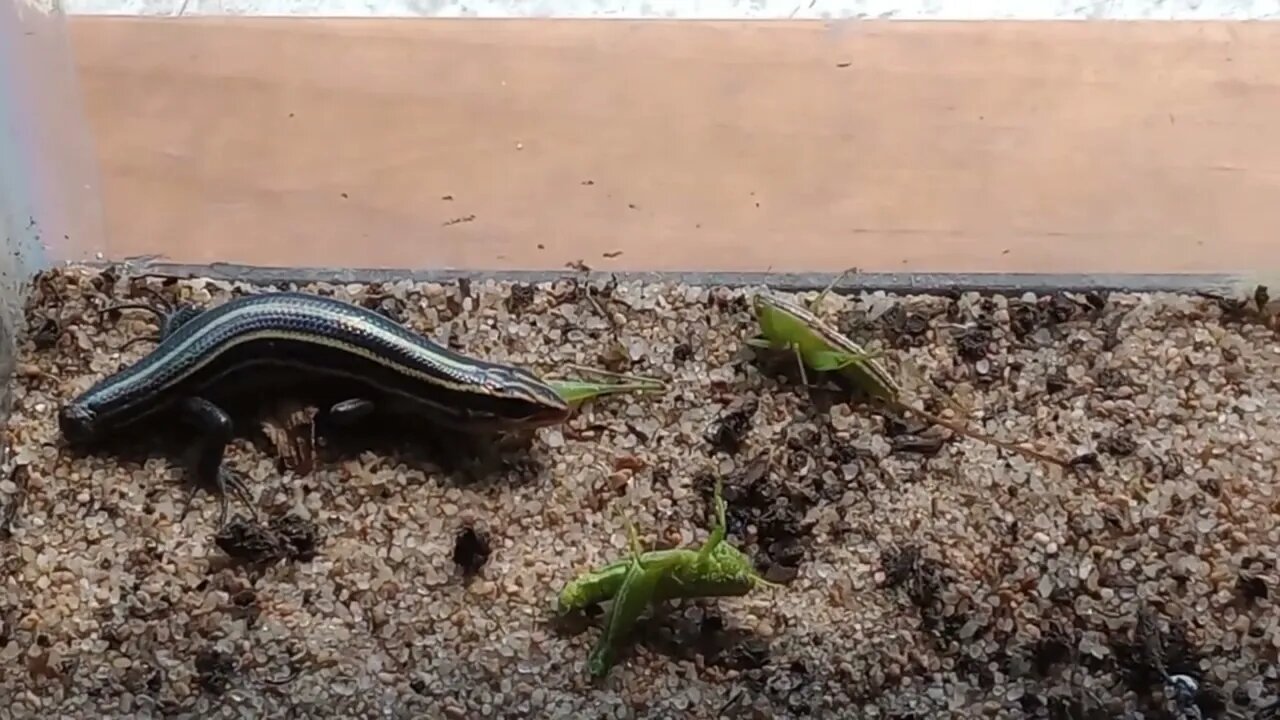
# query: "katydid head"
[[787, 325], [767, 307], [775, 317]]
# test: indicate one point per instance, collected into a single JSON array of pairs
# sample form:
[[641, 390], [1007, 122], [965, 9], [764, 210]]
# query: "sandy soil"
[[923, 575]]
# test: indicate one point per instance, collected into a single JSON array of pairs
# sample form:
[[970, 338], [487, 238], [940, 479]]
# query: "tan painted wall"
[[966, 147]]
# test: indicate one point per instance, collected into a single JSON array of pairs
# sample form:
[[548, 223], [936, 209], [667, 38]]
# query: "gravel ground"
[[924, 575]]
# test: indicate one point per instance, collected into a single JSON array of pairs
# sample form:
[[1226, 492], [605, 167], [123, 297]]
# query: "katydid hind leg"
[[634, 597], [639, 590], [981, 437]]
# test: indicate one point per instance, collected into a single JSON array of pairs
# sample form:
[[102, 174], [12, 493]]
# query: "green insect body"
[[576, 392], [787, 326], [716, 569], [726, 572]]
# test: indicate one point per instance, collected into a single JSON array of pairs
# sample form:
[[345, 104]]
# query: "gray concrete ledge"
[[918, 283]]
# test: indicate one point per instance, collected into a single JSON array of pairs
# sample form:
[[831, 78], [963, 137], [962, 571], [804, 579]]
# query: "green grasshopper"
[[787, 326], [716, 569]]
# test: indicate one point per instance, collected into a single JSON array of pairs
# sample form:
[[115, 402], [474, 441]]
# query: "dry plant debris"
[[920, 581]]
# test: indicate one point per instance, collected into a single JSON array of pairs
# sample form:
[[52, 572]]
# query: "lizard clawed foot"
[[224, 485]]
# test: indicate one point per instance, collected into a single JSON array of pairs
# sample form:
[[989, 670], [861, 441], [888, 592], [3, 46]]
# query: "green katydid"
[[716, 569], [787, 326]]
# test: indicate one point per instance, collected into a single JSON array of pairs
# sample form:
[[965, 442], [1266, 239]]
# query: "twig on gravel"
[[20, 476]]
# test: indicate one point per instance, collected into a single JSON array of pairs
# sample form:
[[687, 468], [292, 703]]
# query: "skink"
[[279, 341]]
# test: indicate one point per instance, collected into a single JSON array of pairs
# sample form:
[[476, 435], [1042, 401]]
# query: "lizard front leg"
[[208, 471]]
